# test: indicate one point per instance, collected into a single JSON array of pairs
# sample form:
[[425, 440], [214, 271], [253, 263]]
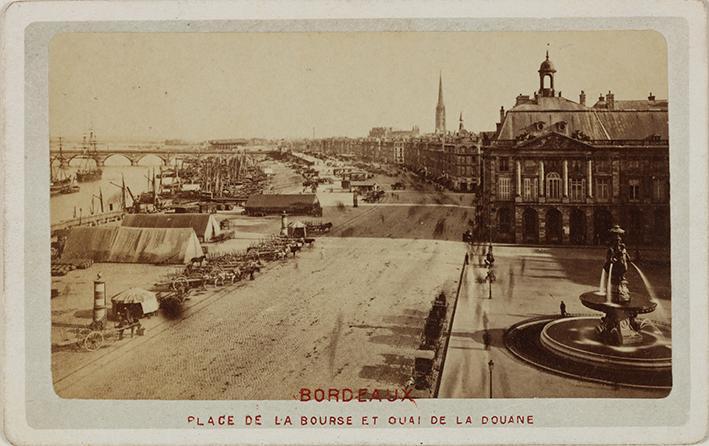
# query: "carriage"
[[98, 334]]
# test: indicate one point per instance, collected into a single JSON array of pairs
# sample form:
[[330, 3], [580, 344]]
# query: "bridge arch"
[[150, 156], [80, 160], [118, 157]]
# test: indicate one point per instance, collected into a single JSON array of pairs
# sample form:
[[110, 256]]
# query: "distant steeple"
[[440, 108], [440, 90], [460, 122]]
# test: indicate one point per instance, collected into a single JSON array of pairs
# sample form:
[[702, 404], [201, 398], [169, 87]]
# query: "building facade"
[[561, 172], [453, 161]]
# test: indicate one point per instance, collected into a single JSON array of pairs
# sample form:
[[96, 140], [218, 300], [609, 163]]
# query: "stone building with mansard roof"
[[558, 171]]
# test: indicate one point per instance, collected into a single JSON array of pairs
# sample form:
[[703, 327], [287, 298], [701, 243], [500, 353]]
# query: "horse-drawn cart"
[[95, 336]]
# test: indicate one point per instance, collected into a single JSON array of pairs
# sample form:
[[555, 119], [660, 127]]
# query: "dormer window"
[[561, 125], [539, 126], [578, 134]]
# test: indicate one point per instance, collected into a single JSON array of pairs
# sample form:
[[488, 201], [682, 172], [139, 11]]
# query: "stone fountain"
[[616, 348]]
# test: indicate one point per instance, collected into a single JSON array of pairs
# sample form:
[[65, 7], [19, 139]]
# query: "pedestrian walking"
[[486, 339], [562, 309], [466, 258], [489, 258]]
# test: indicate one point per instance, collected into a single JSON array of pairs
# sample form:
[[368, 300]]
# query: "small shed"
[[363, 187], [297, 229]]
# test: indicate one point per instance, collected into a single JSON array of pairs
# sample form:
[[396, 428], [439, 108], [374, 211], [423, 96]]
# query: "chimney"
[[651, 97], [582, 98], [502, 114], [610, 102]]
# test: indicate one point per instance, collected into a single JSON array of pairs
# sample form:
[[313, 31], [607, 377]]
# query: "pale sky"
[[198, 86]]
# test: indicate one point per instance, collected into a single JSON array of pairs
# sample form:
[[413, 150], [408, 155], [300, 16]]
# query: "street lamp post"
[[490, 365], [489, 288]]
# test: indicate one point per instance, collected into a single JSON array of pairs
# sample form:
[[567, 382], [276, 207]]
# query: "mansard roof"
[[594, 124], [642, 104]]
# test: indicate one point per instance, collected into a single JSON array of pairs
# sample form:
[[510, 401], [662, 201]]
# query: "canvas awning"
[[145, 298]]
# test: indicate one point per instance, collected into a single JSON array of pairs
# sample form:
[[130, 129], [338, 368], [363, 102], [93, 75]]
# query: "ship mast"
[[61, 153]]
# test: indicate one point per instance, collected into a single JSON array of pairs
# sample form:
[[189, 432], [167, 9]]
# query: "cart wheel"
[[180, 284], [81, 335], [93, 341]]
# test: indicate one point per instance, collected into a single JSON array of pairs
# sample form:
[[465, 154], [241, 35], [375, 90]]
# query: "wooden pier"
[[88, 220]]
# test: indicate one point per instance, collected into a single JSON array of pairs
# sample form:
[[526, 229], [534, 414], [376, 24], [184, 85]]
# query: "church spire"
[[440, 108], [440, 90]]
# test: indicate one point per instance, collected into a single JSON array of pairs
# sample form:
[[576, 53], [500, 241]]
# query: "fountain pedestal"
[[619, 326]]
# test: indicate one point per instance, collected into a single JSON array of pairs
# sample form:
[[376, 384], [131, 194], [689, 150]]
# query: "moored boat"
[[69, 189], [88, 172]]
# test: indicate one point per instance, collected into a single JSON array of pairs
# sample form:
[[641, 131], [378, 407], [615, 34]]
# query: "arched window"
[[553, 186]]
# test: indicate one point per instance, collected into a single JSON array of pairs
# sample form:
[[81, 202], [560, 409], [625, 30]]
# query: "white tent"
[[155, 245], [145, 298], [205, 225], [132, 245]]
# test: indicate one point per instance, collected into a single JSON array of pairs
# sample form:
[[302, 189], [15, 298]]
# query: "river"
[[63, 206]]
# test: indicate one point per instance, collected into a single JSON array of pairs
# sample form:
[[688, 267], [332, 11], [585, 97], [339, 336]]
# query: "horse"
[[198, 260], [295, 247]]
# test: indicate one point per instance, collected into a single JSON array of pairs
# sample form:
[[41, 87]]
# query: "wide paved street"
[[349, 312]]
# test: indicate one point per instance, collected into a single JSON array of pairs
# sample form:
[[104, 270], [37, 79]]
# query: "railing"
[[449, 330]]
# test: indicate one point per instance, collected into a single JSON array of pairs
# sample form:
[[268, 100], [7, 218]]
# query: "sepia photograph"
[[336, 222], [337, 216]]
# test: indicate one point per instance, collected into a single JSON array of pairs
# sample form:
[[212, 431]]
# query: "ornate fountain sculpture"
[[619, 326], [616, 266]]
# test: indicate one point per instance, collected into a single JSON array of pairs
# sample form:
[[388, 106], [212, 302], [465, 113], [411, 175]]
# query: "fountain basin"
[[638, 304], [576, 338], [571, 347]]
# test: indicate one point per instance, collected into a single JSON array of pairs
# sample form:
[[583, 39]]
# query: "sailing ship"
[[61, 183], [88, 172]]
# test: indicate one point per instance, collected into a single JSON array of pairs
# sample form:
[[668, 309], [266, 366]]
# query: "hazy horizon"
[[199, 86]]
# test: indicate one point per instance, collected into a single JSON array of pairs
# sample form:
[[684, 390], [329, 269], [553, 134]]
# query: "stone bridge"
[[133, 155]]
